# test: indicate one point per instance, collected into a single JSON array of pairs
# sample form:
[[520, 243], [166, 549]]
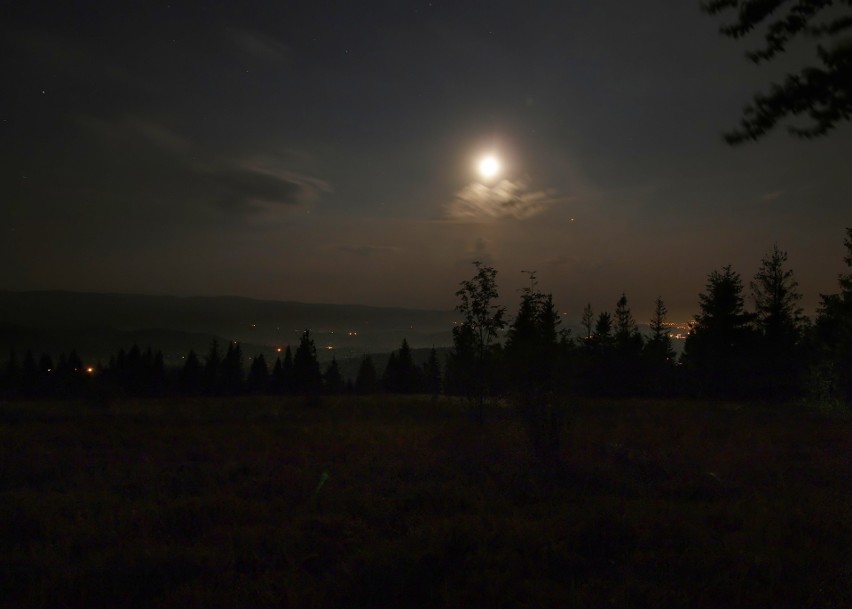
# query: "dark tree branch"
[[822, 93]]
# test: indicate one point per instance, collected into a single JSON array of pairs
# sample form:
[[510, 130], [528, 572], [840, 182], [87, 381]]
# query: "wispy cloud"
[[134, 131], [248, 186], [366, 250], [560, 261], [506, 199], [259, 45], [206, 178]]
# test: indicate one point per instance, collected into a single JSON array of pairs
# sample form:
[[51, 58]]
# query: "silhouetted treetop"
[[719, 347], [432, 374], [258, 376], [367, 380], [306, 369], [332, 378], [627, 336], [777, 312], [659, 346], [473, 338], [401, 375]]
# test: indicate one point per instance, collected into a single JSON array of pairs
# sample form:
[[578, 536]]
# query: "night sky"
[[327, 152]]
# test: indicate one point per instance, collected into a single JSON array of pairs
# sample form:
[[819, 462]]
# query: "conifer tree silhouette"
[[532, 357], [659, 353], [627, 354], [231, 370], [780, 325], [307, 377], [401, 375], [432, 374], [258, 375], [212, 373], [720, 346], [832, 372], [588, 323], [191, 374], [288, 372], [367, 380], [332, 379]]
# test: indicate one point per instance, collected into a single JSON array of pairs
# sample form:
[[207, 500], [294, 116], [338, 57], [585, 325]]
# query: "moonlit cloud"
[[506, 199], [244, 190], [250, 186], [205, 178]]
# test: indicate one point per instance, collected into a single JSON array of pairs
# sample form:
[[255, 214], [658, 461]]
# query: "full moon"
[[489, 166]]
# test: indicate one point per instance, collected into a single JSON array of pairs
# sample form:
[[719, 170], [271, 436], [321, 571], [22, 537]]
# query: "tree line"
[[770, 350], [221, 372]]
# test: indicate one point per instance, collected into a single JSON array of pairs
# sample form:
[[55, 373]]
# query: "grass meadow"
[[388, 501]]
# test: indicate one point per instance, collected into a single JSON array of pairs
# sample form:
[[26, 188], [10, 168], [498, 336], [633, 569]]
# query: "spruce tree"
[[401, 375], [599, 365], [719, 349], [232, 372], [831, 377], [288, 372], [212, 365], [778, 315], [432, 374], [532, 358], [532, 343], [276, 380], [333, 380], [367, 380], [258, 376], [307, 377], [627, 336], [588, 323], [628, 350], [779, 322], [659, 353], [659, 349], [191, 374], [602, 335]]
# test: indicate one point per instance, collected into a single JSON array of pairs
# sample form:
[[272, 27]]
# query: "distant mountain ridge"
[[176, 324]]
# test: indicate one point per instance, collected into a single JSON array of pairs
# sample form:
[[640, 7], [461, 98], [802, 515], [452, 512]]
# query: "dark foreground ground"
[[222, 504]]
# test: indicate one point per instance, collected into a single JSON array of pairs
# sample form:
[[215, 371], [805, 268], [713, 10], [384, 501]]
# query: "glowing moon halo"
[[489, 166]]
